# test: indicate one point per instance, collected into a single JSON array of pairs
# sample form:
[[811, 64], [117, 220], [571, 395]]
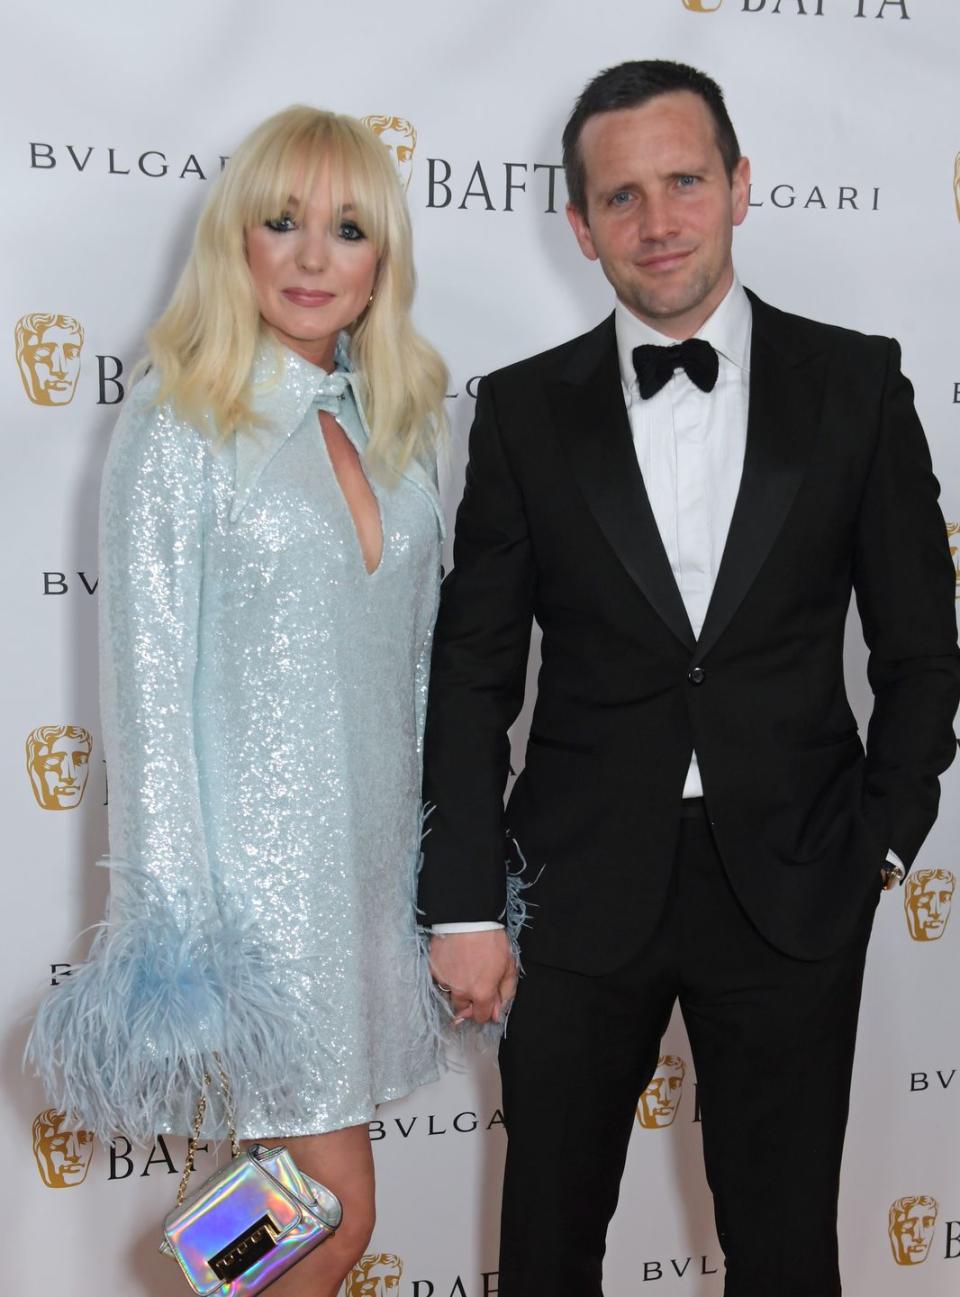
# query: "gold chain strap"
[[198, 1122]]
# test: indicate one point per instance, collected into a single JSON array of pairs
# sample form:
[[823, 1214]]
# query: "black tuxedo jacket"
[[837, 495]]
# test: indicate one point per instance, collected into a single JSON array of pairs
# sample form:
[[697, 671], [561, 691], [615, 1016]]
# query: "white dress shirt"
[[690, 446]]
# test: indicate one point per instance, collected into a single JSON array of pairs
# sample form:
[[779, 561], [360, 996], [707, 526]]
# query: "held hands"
[[479, 971]]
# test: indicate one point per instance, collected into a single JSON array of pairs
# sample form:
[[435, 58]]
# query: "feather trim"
[[124, 1043]]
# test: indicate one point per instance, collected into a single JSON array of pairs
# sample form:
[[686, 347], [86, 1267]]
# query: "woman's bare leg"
[[343, 1161]]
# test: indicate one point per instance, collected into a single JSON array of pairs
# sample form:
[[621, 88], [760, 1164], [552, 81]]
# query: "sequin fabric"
[[263, 699]]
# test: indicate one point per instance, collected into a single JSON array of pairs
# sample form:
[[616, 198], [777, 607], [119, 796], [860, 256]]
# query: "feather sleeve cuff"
[[124, 1043]]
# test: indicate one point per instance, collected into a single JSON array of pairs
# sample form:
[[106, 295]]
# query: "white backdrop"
[[115, 118]]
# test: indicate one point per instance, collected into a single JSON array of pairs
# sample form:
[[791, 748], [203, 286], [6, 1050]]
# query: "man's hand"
[[479, 971]]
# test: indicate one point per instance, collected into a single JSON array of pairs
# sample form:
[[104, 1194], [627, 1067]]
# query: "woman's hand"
[[479, 971]]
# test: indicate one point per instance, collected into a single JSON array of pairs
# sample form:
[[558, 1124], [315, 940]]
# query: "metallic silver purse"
[[250, 1222]]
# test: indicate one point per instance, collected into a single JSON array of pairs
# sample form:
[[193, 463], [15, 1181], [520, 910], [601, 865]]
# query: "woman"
[[270, 534]]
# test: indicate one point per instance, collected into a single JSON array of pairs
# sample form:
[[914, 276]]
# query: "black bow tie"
[[655, 365]]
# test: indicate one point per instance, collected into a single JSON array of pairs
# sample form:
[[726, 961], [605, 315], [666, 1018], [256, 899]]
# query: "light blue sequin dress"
[[263, 701]]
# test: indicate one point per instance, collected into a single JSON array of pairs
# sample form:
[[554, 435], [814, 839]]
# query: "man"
[[697, 815]]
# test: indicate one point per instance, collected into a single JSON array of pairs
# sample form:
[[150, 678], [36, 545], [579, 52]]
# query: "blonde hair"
[[203, 346]]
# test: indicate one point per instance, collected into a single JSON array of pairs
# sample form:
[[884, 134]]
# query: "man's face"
[[928, 908], [659, 1101], [912, 1233], [59, 773], [379, 1281], [63, 1156], [52, 361], [401, 150], [661, 210]]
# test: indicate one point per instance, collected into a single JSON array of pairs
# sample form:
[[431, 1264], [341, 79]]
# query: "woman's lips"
[[306, 297]]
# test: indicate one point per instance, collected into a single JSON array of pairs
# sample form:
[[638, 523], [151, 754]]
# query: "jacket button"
[[696, 675]]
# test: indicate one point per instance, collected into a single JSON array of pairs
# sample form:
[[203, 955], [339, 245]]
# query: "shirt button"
[[696, 675]]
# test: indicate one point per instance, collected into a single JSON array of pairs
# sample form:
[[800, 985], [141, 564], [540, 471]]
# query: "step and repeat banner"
[[116, 120]]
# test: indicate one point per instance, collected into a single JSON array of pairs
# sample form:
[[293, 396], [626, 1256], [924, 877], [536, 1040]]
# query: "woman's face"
[[311, 278]]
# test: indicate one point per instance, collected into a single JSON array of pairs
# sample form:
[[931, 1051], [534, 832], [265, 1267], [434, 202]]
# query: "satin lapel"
[[785, 397], [591, 422]]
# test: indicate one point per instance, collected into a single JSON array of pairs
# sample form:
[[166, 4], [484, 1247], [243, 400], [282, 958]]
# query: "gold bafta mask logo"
[[927, 898], [63, 1156], [956, 184], [911, 1224], [58, 762], [702, 6], [400, 137], [953, 535], [660, 1100], [48, 356], [376, 1275]]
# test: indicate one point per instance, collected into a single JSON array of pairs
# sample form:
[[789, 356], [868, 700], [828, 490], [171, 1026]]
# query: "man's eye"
[[620, 198], [686, 182], [281, 224], [351, 231]]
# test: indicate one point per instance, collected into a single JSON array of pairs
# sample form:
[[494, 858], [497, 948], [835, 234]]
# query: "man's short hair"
[[628, 85]]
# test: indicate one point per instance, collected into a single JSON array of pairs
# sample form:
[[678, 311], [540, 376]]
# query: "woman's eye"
[[351, 231], [281, 224]]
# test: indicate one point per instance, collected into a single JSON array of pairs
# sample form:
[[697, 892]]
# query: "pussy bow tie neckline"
[[655, 365], [328, 392]]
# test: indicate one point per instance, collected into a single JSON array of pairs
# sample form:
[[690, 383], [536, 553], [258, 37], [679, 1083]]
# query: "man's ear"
[[581, 230], [740, 187]]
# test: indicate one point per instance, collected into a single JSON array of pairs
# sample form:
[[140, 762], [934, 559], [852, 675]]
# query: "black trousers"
[[772, 1041]]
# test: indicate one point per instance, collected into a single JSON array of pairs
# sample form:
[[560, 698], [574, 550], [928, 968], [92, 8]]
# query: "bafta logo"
[[911, 1224], [400, 137], [953, 534], [956, 184], [58, 762], [702, 6], [48, 356], [660, 1100], [63, 1156], [927, 898], [376, 1275]]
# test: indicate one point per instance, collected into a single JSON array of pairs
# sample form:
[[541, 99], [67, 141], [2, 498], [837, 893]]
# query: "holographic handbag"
[[250, 1222]]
